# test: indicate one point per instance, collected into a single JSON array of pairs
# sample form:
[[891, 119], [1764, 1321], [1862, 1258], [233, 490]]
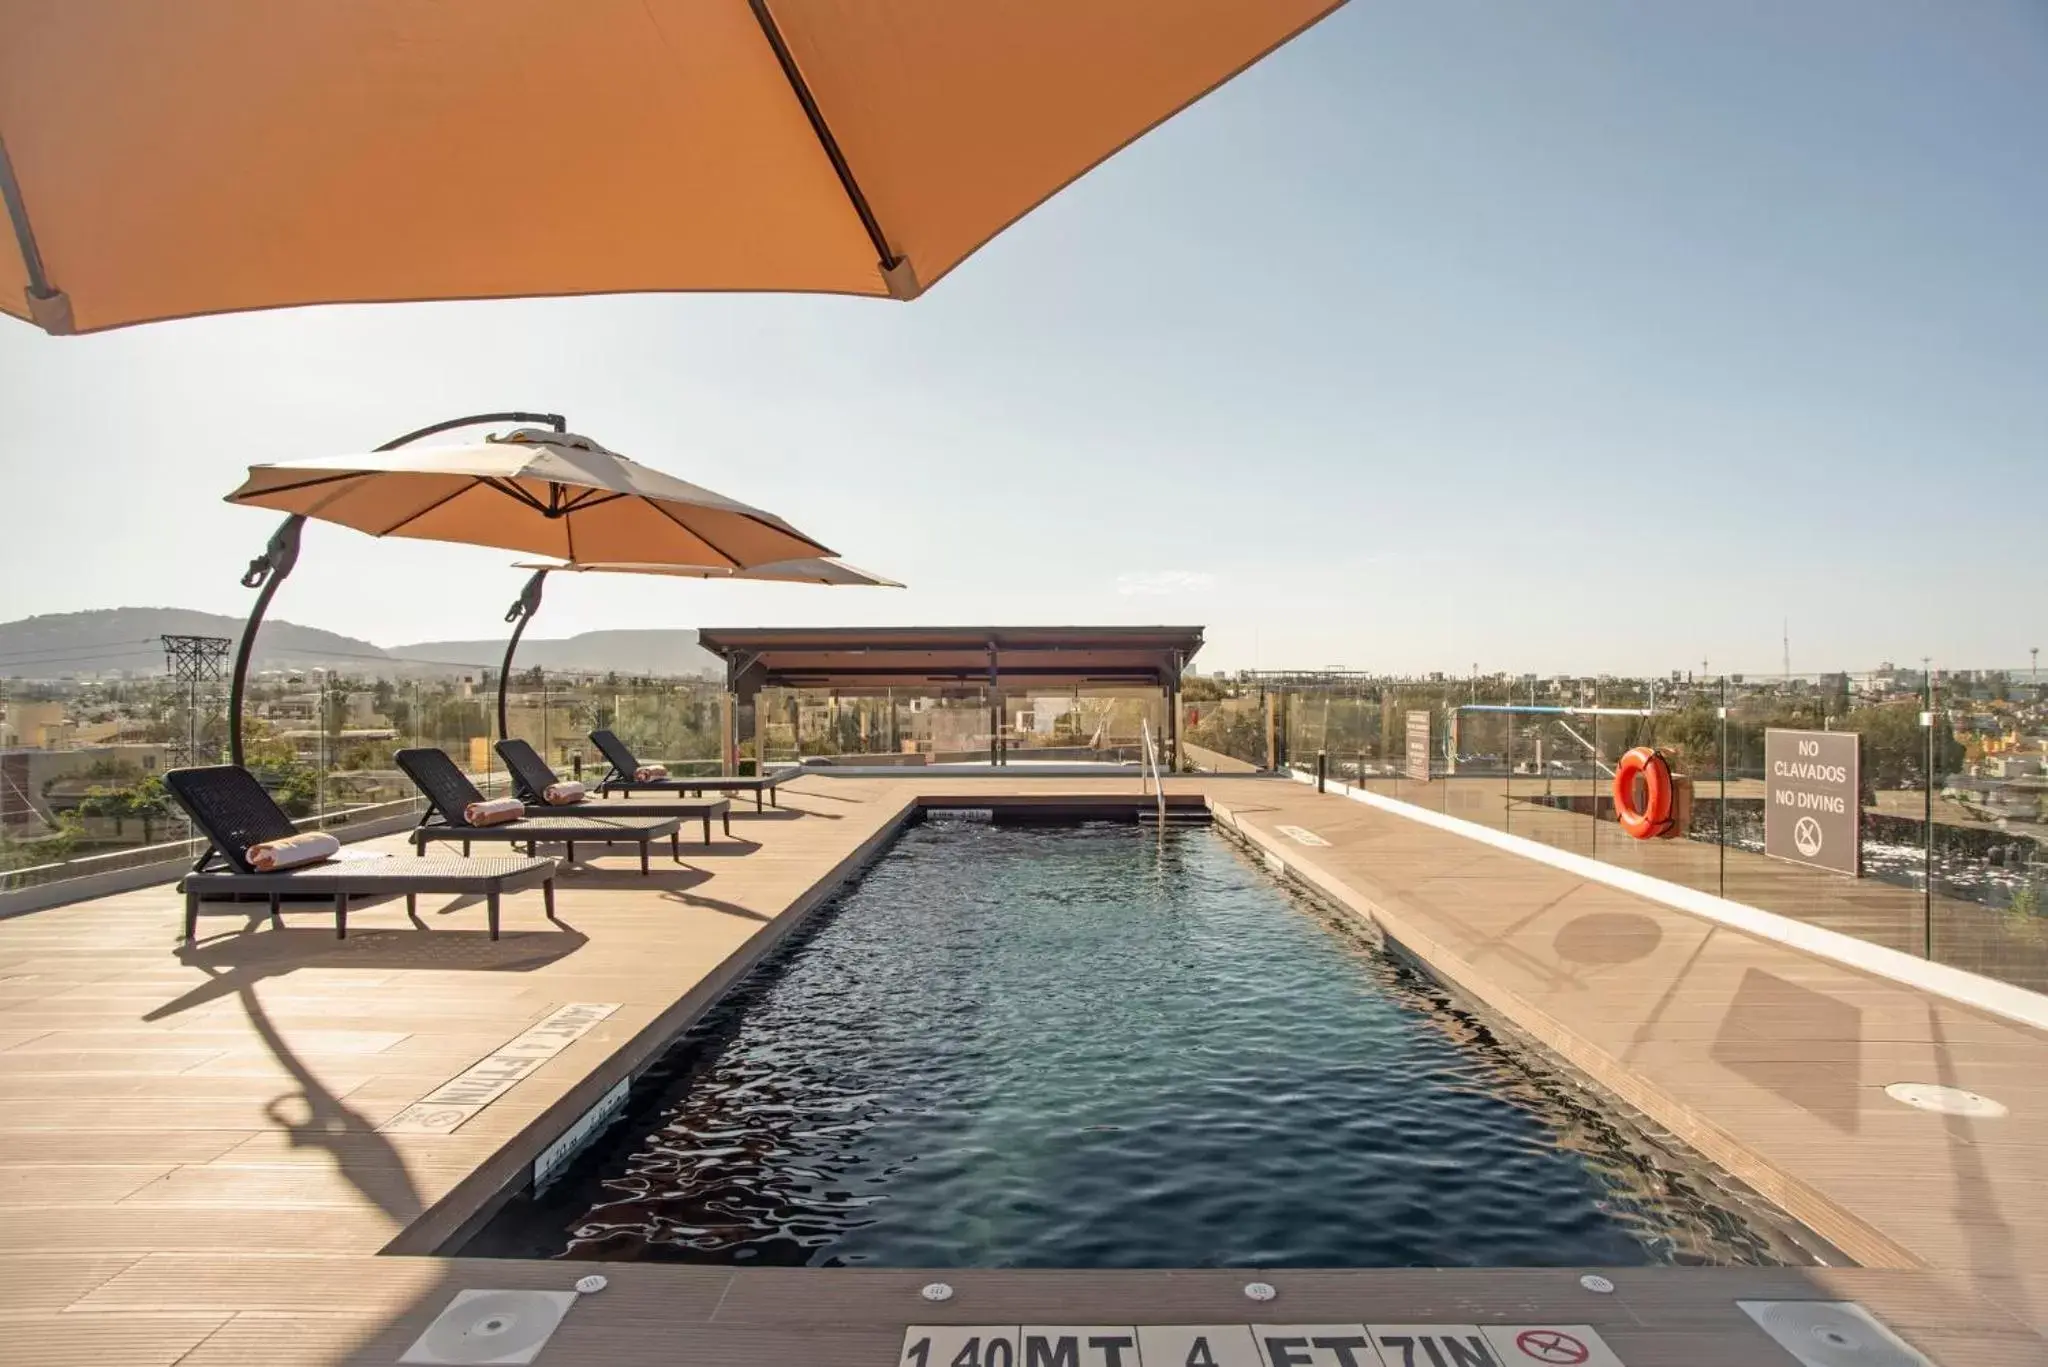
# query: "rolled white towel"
[[563, 794], [307, 847], [647, 773], [494, 811]]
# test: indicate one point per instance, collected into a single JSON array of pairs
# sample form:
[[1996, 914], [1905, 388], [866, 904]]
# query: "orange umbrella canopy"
[[209, 156], [817, 569], [555, 493]]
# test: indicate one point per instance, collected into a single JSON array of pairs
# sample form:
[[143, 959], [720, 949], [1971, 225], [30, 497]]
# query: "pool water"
[[1100, 1046]]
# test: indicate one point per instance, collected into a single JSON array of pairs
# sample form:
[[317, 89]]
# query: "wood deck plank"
[[44, 1283], [66, 1340]]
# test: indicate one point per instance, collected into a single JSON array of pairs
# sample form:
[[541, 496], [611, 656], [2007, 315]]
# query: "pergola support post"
[[728, 733], [995, 708]]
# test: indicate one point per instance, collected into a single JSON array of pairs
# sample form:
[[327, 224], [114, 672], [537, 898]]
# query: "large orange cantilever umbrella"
[[210, 156], [537, 488]]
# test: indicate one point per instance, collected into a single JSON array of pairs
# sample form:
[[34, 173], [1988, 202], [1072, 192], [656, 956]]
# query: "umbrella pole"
[[266, 572], [520, 613], [269, 569]]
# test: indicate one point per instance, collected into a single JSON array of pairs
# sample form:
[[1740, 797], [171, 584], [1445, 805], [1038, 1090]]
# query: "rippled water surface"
[[1085, 1047]]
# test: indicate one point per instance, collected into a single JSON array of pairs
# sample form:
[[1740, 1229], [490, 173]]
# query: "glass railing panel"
[[677, 722], [1225, 718], [1886, 902], [1477, 757], [1558, 779], [1988, 849]]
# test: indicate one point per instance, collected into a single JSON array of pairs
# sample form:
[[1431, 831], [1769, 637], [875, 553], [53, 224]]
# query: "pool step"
[[1175, 816]]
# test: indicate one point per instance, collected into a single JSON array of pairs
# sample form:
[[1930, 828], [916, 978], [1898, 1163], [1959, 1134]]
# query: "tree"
[[369, 755], [1895, 746], [1239, 732], [145, 801], [593, 714], [1695, 733], [293, 782], [54, 848]]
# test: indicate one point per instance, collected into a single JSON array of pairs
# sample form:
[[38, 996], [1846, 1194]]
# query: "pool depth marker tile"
[[960, 1345], [1256, 1345], [455, 1102], [1318, 1345], [1204, 1345], [1549, 1345], [1077, 1345]]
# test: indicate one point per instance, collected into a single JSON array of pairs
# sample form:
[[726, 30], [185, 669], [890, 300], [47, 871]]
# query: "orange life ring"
[[1654, 819]]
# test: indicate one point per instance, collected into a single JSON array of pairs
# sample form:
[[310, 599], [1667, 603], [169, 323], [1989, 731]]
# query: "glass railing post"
[[1928, 719], [1721, 834]]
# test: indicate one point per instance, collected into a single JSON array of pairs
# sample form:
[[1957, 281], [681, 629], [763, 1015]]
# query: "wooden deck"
[[203, 1157]]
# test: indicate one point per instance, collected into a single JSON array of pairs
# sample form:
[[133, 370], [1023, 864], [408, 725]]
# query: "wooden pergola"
[[873, 661]]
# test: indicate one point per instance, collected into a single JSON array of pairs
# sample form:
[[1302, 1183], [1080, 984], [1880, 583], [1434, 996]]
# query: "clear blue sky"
[[1571, 336]]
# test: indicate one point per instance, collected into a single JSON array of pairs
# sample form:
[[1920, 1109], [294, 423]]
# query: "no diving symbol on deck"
[[1552, 1345], [1806, 836]]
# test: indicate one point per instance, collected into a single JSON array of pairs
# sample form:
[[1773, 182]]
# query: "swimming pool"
[[1102, 1046]]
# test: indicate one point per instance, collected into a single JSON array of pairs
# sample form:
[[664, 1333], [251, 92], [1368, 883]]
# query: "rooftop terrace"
[[220, 1153]]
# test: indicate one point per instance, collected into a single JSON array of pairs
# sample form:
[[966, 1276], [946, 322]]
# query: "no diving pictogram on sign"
[[1552, 1345]]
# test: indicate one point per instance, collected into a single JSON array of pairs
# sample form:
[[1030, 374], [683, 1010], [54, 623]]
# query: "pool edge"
[[1839, 1226], [444, 1227]]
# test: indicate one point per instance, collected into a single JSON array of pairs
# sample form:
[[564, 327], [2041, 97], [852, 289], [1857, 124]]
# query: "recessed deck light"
[[1930, 1096]]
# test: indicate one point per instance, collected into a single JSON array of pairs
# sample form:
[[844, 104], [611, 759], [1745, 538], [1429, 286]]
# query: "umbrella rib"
[[662, 508], [889, 259], [513, 491], [590, 498], [419, 513], [24, 236], [819, 547], [301, 484]]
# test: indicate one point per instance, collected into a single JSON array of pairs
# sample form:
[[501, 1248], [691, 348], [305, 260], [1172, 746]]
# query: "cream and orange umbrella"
[[536, 488], [554, 493], [809, 570], [211, 156]]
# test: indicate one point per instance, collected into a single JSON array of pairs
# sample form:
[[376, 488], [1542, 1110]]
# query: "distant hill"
[[126, 639], [668, 650], [110, 639]]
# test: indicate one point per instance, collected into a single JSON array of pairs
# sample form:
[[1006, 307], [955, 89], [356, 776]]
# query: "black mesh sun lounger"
[[231, 809], [449, 792], [623, 766], [531, 778]]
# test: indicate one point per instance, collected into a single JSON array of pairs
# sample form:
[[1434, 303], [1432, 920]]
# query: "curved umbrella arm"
[[265, 572], [269, 570], [554, 420], [519, 614]]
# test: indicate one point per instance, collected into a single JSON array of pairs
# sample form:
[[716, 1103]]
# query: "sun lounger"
[[623, 767], [449, 792], [531, 778], [230, 808]]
